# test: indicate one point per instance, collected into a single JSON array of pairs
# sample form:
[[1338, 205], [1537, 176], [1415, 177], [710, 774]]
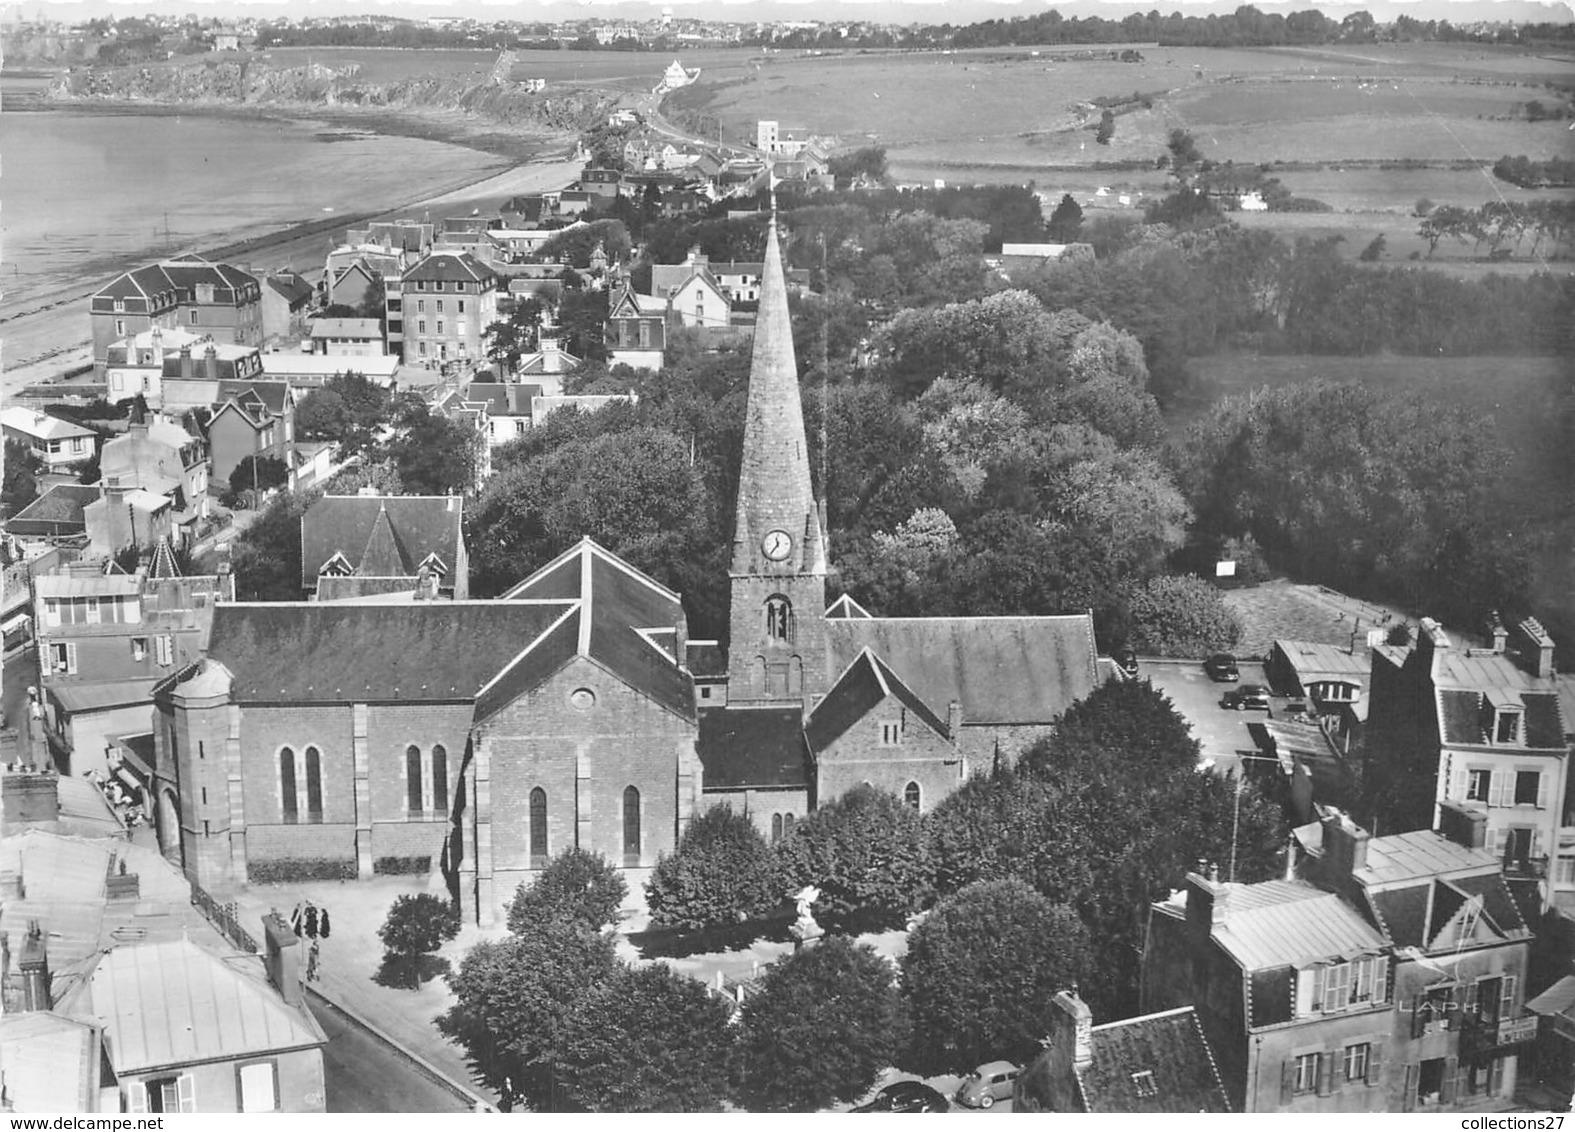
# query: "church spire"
[[778, 525]]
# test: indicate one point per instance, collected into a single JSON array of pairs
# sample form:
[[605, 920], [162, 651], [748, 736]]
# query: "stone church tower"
[[777, 651]]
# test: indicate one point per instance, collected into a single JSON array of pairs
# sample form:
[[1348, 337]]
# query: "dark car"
[[906, 1096], [1126, 660], [1248, 697], [1222, 667]]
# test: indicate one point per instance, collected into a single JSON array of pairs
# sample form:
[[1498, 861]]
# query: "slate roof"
[[705, 658], [503, 399], [259, 400], [616, 602], [753, 748], [172, 1003], [334, 588], [292, 652], [1461, 678], [1002, 670], [291, 287], [60, 506], [450, 266], [863, 686], [1282, 922], [180, 278], [1167, 1051], [344, 524]]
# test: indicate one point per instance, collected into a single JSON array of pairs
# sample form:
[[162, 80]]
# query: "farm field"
[[1522, 396]]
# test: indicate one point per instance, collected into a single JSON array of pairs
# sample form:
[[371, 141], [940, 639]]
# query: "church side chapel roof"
[[417, 525], [616, 603], [1002, 670], [759, 748], [308, 652], [866, 684]]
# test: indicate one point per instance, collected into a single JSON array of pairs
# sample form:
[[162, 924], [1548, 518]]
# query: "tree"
[[719, 874], [868, 854], [1180, 616], [510, 339], [267, 554], [258, 473], [1107, 128], [868, 162], [417, 925], [1374, 251], [322, 415], [577, 886], [1184, 154], [432, 454], [647, 1040], [824, 1023], [21, 470], [980, 974], [1066, 221], [515, 999]]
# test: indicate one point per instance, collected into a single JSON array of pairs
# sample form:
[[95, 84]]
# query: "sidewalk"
[[349, 959]]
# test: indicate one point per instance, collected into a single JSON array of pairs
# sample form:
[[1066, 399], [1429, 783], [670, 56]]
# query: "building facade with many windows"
[[442, 307]]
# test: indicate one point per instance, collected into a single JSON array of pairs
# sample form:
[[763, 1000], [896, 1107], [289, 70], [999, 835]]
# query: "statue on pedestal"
[[805, 930]]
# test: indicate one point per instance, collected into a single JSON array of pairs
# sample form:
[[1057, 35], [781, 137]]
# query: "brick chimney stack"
[[1344, 844], [282, 958], [186, 372], [1496, 631], [34, 966], [210, 363], [1208, 902], [1535, 648]]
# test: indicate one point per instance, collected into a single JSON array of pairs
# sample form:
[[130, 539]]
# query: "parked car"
[[1222, 667], [993, 1081], [906, 1096], [1248, 697], [1126, 660]]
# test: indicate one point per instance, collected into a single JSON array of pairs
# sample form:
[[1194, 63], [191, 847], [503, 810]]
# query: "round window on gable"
[[582, 699]]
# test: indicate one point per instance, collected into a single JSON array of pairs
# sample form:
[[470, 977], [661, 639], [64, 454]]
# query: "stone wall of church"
[[583, 738], [300, 842], [265, 730], [765, 808], [922, 758], [979, 744]]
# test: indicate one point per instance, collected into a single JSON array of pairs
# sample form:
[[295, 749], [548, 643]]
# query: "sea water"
[[82, 194]]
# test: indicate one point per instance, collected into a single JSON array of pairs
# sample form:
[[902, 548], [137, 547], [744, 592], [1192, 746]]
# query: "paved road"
[[1221, 732], [365, 1074]]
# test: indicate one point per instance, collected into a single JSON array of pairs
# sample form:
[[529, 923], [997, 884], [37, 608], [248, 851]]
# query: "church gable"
[[871, 696]]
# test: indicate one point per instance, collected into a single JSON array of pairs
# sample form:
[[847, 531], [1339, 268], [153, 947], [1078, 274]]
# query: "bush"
[[401, 866], [1374, 250], [1180, 617], [576, 886], [719, 875], [288, 870]]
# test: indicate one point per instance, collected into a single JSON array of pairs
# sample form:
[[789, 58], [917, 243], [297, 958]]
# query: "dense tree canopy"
[[577, 886], [719, 874], [980, 974], [266, 556], [822, 1026]]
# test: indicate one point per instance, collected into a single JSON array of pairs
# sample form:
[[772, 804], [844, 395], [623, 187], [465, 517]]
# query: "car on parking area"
[[1248, 697], [993, 1081], [906, 1096], [1222, 667], [1126, 660]]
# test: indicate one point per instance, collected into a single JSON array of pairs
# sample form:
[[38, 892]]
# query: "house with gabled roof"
[[1155, 1063], [286, 300], [636, 330], [250, 418], [354, 545], [1485, 729], [445, 303], [157, 459]]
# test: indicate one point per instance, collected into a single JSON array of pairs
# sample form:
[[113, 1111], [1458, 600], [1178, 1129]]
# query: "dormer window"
[[434, 563], [1143, 1082], [1506, 728], [337, 567]]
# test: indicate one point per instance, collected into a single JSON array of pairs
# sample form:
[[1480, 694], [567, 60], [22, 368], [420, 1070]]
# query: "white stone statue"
[[805, 930]]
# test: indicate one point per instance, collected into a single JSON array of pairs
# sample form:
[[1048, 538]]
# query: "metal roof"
[[1279, 923], [1422, 853], [1314, 657], [172, 1004], [76, 698], [51, 1062], [96, 585]]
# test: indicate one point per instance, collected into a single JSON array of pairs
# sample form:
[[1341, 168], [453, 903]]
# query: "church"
[[322, 739]]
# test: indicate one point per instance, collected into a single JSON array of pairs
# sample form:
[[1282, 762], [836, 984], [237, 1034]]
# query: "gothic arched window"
[[413, 778], [314, 785], [292, 810], [538, 828], [779, 619], [631, 826], [911, 795], [440, 779]]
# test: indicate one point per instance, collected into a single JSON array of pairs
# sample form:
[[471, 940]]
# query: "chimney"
[[1496, 631], [1344, 844], [1073, 1022], [34, 966], [1208, 903], [1463, 825], [1069, 1050], [954, 720], [30, 796], [185, 362], [210, 363], [283, 958], [1535, 648]]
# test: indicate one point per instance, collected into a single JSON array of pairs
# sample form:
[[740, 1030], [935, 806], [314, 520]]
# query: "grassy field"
[[1519, 398], [623, 70]]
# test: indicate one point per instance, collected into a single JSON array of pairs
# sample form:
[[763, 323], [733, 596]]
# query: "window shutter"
[[186, 1087], [1408, 1096], [1325, 1074], [1418, 1018], [136, 1097], [1288, 1081], [1446, 1093], [71, 658], [1381, 979], [1494, 841], [1462, 783], [1542, 791], [1506, 1006], [1319, 976], [1375, 1064], [1336, 1063], [1472, 1005], [1536, 841]]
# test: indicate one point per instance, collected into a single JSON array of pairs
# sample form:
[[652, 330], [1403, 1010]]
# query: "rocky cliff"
[[251, 83]]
